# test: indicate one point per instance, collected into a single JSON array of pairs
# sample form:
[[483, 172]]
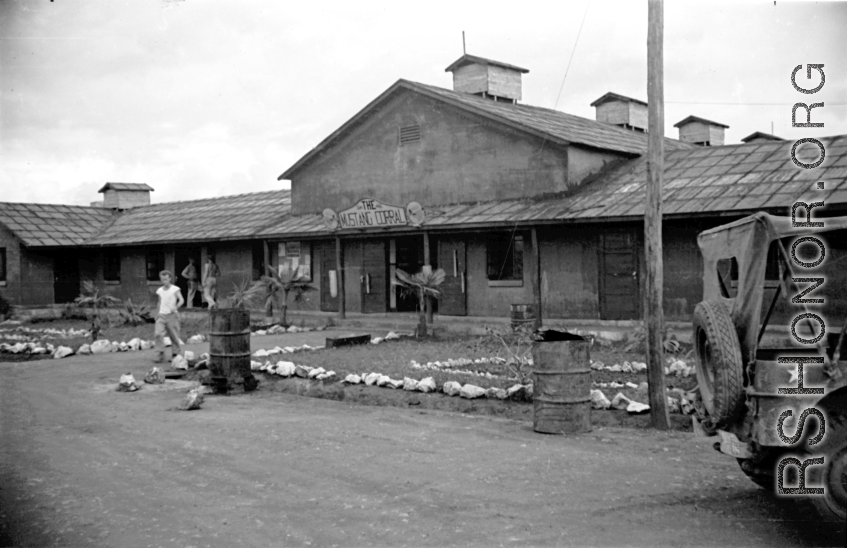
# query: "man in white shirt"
[[167, 321]]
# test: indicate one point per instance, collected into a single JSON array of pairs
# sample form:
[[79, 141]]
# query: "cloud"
[[203, 98]]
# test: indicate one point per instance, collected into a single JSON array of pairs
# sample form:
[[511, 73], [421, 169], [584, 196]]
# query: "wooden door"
[[329, 268], [619, 288], [65, 277], [374, 278], [452, 258]]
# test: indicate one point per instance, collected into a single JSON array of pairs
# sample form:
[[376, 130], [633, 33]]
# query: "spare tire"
[[720, 368]]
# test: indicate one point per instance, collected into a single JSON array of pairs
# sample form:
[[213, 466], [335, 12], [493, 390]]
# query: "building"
[[518, 204]]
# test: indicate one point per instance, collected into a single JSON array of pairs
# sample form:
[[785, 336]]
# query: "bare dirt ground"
[[83, 465]]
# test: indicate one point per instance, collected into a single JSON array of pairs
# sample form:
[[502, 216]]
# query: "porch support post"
[[535, 261], [427, 268], [267, 262], [339, 269]]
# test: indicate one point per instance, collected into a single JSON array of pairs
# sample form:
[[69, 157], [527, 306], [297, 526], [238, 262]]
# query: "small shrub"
[[134, 314], [637, 341], [518, 345], [70, 312], [5, 308], [91, 297]]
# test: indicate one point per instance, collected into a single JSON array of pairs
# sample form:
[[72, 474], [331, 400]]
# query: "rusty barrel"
[[561, 374], [523, 315], [229, 345]]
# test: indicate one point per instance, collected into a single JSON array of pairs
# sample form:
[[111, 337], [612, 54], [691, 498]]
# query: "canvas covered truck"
[[751, 330]]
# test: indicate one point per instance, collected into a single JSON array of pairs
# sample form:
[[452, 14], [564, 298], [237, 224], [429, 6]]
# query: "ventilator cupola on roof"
[[125, 195], [487, 78], [699, 131], [622, 111]]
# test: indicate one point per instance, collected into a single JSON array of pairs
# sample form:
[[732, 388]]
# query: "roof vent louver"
[[410, 134]]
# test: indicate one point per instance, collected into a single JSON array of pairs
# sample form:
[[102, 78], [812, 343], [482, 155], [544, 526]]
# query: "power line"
[[572, 52]]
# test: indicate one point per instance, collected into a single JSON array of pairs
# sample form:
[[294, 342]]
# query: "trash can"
[[561, 391], [229, 348]]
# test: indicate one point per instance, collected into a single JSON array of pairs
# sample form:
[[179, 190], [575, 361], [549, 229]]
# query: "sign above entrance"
[[371, 213]]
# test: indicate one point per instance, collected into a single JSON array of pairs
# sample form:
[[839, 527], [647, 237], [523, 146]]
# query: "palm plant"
[[243, 295], [91, 297], [423, 285], [134, 314], [277, 289]]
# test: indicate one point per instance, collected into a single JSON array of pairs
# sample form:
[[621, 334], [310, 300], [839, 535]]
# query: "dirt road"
[[83, 465]]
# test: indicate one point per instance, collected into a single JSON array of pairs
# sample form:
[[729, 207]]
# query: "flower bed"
[[486, 384]]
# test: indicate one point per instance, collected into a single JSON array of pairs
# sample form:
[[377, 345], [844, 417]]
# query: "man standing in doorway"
[[190, 274], [210, 281]]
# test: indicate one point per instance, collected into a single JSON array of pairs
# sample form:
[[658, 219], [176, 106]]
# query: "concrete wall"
[[460, 158], [583, 162], [133, 282], [683, 269], [235, 260], [311, 299], [486, 300], [570, 272], [36, 285], [11, 289]]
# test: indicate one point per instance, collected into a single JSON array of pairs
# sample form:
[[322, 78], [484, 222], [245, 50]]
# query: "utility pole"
[[653, 315]]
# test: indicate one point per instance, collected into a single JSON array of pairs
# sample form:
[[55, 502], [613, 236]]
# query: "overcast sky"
[[201, 98]]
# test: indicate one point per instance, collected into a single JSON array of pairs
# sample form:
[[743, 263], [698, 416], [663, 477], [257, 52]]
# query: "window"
[[155, 263], [258, 260], [728, 272], [505, 258], [728, 277], [295, 259], [3, 264], [112, 265]]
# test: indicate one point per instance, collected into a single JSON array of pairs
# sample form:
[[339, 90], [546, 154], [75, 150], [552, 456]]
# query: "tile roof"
[[702, 180], [224, 218], [747, 177], [611, 97], [125, 186], [560, 126], [761, 135], [51, 224], [692, 118], [554, 125], [467, 59]]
